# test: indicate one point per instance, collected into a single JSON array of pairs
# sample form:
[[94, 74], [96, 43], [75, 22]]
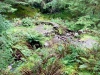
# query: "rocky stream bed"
[[67, 36]]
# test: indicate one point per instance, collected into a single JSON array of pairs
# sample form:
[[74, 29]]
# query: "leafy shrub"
[[29, 65], [4, 7], [5, 53], [34, 43], [27, 22], [58, 20], [83, 22], [55, 5], [48, 5], [5, 50], [18, 39], [4, 24], [17, 22], [33, 1], [96, 68]]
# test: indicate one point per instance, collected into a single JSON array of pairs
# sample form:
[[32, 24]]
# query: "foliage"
[[5, 52], [81, 16], [5, 7], [27, 22], [62, 58], [55, 5], [83, 22], [33, 1], [4, 24], [17, 41]]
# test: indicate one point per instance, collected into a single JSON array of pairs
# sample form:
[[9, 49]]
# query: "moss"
[[87, 36], [62, 14], [22, 11], [27, 11]]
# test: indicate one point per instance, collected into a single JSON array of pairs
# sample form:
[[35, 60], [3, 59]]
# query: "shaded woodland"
[[49, 37]]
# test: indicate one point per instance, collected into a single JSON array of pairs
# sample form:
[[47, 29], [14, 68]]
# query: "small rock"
[[83, 66], [46, 44], [68, 34], [76, 34]]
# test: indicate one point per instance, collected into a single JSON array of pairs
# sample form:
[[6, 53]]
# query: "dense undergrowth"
[[23, 50], [22, 55]]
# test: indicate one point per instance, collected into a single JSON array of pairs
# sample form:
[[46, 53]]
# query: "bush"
[[5, 52], [4, 24], [27, 22], [18, 39]]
